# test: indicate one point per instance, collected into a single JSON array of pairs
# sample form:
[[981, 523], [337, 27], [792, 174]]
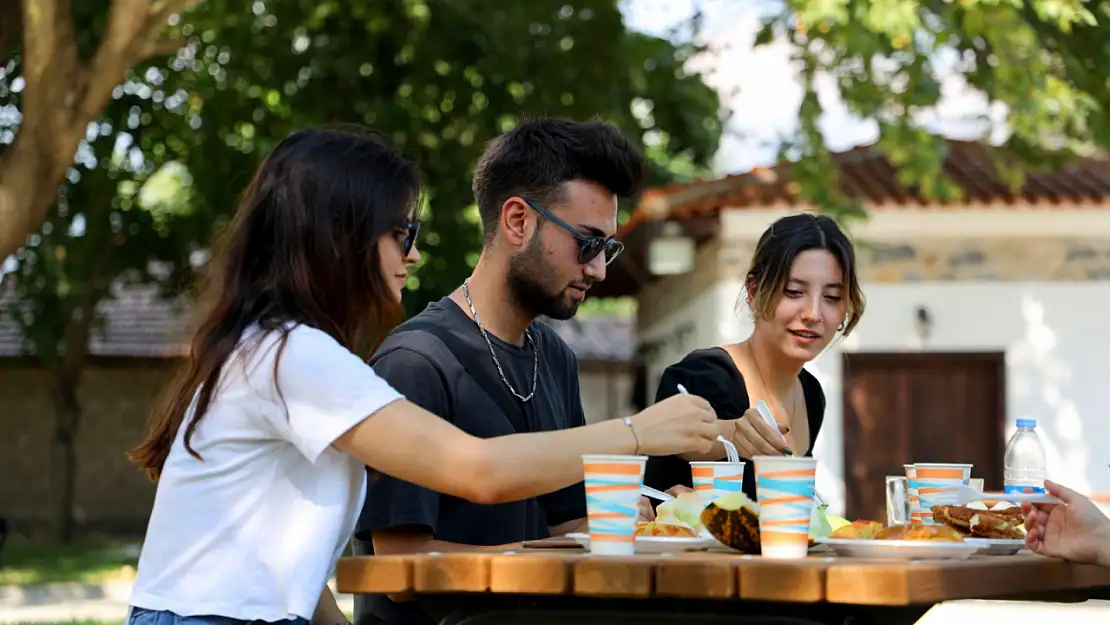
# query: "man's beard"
[[530, 285]]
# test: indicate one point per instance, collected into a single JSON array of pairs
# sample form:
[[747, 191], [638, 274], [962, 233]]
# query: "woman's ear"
[[750, 288]]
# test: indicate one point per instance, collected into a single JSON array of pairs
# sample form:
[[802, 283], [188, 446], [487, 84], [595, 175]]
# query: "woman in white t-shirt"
[[261, 446]]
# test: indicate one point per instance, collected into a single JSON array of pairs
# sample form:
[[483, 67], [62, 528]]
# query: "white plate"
[[901, 549], [1017, 498], [997, 546], [714, 544], [655, 544]]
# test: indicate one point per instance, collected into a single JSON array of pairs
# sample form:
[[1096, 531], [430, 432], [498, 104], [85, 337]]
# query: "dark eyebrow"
[[834, 285]]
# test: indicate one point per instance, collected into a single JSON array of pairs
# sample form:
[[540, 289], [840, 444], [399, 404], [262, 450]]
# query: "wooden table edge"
[[693, 576]]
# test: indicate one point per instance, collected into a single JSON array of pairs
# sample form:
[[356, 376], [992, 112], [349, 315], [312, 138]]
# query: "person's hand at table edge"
[[1076, 531]]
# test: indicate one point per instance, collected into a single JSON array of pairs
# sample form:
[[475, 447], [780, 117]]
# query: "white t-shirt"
[[254, 530]]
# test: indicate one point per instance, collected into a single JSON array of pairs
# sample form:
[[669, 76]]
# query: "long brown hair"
[[782, 243], [301, 249]]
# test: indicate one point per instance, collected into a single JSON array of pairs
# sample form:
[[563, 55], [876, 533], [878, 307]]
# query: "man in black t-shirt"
[[547, 194]]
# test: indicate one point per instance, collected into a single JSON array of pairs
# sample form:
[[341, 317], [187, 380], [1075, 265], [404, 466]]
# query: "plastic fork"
[[730, 449], [648, 491], [765, 411]]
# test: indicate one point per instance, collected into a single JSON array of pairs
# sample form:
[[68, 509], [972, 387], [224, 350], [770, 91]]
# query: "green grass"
[[36, 562]]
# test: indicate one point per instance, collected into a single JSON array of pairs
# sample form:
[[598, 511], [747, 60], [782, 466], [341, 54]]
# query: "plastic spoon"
[[730, 449]]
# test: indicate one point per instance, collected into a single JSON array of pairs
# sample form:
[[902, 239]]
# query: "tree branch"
[[133, 35], [39, 34], [161, 10], [164, 46], [157, 18], [48, 48], [126, 23]]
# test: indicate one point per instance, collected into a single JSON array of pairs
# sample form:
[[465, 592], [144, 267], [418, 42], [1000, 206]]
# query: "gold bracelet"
[[628, 422]]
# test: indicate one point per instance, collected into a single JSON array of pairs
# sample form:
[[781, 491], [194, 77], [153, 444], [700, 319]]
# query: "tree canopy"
[[1042, 59], [439, 79]]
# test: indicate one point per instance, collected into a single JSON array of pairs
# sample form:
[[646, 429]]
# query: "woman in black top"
[[802, 289]]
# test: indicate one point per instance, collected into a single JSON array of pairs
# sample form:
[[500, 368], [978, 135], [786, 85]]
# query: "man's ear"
[[516, 222]]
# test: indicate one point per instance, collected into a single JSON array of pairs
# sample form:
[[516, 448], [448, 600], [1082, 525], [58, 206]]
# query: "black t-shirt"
[[422, 368], [712, 374]]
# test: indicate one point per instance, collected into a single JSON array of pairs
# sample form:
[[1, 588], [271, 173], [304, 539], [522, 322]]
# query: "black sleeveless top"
[[712, 374]]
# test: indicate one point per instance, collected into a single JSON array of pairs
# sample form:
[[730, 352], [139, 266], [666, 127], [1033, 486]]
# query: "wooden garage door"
[[922, 407]]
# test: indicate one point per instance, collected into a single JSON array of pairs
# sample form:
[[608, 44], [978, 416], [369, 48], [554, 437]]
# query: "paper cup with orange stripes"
[[612, 498], [937, 484], [784, 486], [713, 479], [916, 513]]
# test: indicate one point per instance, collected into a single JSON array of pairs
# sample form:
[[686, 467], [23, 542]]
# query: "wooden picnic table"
[[571, 579]]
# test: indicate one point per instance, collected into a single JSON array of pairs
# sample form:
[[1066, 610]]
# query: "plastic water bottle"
[[1025, 462]]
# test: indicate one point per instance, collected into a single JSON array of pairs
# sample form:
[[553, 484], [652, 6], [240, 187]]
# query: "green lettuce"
[[682, 510], [818, 524]]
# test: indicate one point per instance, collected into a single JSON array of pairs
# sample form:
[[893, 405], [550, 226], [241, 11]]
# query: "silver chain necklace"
[[527, 336]]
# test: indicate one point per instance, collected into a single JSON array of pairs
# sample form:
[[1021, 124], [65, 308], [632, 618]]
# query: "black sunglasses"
[[589, 245], [406, 235]]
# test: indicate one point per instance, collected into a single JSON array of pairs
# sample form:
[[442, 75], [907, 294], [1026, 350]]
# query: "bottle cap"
[[1027, 423]]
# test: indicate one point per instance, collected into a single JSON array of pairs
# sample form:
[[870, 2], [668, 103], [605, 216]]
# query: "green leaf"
[[765, 35]]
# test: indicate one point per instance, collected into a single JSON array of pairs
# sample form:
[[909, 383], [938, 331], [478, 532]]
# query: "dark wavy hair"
[[782, 243], [301, 249], [536, 158]]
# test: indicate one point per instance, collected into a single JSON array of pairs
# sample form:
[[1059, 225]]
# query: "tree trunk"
[[63, 95], [67, 403], [67, 418], [30, 178]]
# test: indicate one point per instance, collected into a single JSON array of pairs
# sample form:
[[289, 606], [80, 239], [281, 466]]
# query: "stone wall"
[[965, 259], [1009, 259], [111, 493]]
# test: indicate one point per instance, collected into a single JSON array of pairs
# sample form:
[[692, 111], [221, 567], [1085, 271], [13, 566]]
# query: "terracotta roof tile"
[[135, 322], [868, 175]]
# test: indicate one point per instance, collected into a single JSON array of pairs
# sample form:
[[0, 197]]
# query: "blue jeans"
[[142, 616]]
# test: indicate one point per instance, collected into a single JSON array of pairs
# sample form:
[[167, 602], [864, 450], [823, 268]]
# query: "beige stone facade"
[[964, 259], [1003, 259]]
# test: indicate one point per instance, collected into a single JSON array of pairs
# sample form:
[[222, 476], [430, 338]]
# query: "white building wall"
[[1057, 360], [696, 325]]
